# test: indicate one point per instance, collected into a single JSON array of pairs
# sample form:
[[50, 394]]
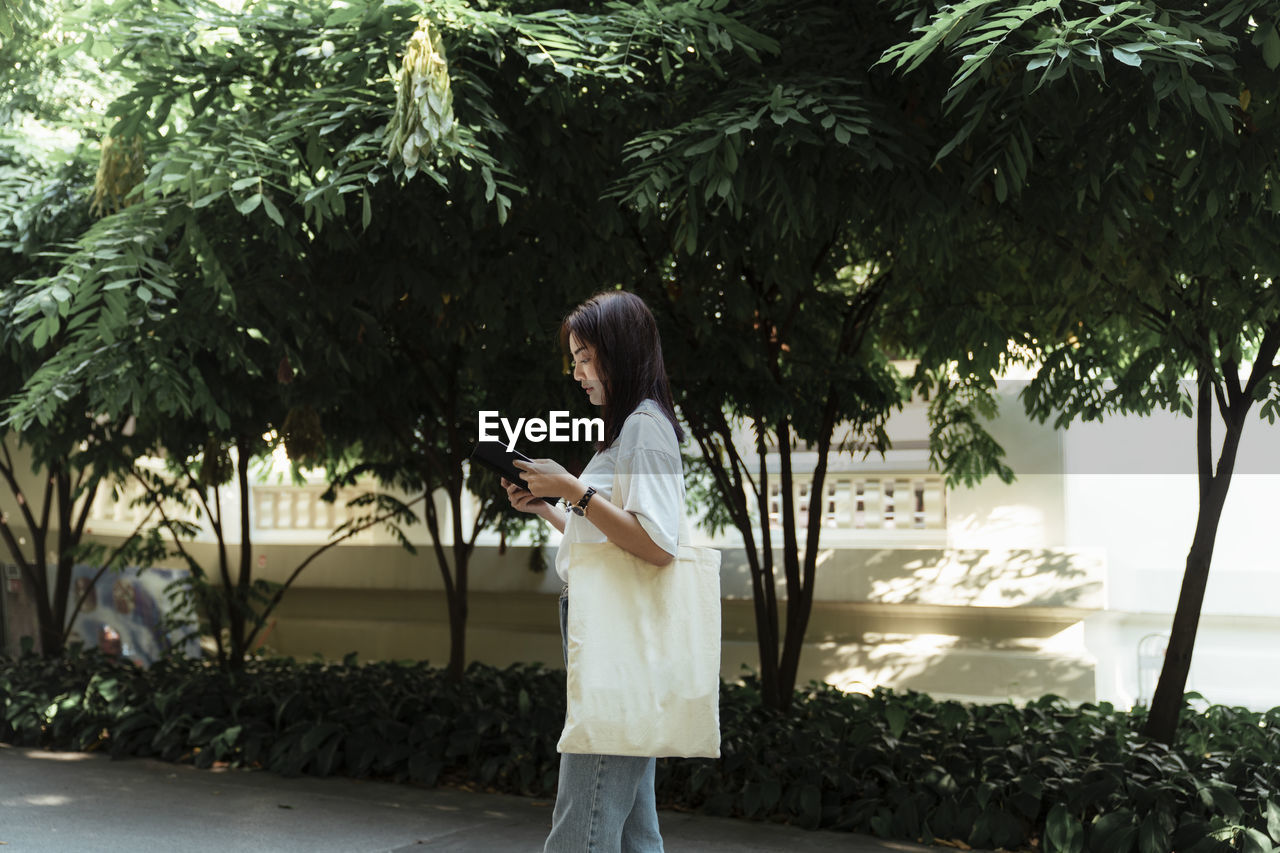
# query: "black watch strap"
[[580, 508]]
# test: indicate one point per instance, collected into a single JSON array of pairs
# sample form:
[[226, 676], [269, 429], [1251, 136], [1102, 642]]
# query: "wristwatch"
[[580, 508]]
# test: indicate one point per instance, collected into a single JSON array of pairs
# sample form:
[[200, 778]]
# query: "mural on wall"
[[124, 613]]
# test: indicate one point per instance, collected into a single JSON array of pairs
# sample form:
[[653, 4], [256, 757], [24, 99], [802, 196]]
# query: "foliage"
[[53, 66], [896, 765], [787, 213], [271, 274], [79, 454], [249, 135], [1128, 153]]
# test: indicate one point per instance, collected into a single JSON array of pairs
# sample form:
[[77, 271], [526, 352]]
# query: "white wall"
[[1127, 487]]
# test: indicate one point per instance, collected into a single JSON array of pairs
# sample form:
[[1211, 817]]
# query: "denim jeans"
[[604, 803]]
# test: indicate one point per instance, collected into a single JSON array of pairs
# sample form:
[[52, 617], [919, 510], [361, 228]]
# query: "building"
[[1062, 582]]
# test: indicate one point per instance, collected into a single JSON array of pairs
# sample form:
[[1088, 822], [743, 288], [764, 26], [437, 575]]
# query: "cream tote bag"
[[644, 653]]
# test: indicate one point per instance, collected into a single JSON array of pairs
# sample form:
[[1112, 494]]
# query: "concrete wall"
[[1023, 641], [1063, 581]]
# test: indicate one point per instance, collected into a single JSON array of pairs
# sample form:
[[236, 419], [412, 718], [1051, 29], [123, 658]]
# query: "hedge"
[[1047, 776]]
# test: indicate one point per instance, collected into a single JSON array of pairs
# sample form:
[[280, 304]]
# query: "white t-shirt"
[[644, 463]]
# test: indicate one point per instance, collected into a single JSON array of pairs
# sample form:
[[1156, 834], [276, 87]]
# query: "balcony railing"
[[867, 502], [900, 505], [289, 507], [278, 511]]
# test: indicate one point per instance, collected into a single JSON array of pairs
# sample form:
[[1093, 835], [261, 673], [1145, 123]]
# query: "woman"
[[631, 493]]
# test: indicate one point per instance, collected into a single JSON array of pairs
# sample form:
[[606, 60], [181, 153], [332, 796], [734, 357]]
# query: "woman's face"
[[586, 371]]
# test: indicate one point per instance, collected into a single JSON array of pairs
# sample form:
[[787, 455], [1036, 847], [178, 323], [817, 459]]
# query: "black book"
[[495, 456]]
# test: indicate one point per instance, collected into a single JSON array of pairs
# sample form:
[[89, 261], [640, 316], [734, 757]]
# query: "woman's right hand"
[[523, 499]]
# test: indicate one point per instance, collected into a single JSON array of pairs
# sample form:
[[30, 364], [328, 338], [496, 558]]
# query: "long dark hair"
[[628, 353]]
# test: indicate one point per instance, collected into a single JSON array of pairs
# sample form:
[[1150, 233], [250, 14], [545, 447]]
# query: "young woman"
[[631, 493]]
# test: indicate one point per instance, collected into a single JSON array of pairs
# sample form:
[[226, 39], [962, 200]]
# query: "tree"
[[793, 193], [44, 183], [243, 251], [1138, 145], [491, 291]]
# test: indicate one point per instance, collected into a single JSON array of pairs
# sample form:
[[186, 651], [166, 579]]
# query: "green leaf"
[[1256, 842], [366, 212], [1273, 820], [709, 144], [896, 716], [1063, 831], [344, 14], [320, 733], [272, 212], [250, 204], [1152, 836], [1113, 831], [811, 803], [1271, 47], [205, 201], [1127, 57]]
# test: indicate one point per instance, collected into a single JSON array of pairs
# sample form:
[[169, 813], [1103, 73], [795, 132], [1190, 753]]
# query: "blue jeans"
[[603, 802]]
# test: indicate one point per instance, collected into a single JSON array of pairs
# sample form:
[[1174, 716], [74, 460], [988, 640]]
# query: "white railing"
[[117, 511], [852, 502], [296, 512], [289, 507], [867, 501]]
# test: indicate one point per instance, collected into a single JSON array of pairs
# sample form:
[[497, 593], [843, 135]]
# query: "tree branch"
[[1264, 364], [193, 486], [75, 610], [275, 599], [86, 508], [50, 485], [10, 475], [1223, 407], [20, 558], [1204, 436], [168, 523]]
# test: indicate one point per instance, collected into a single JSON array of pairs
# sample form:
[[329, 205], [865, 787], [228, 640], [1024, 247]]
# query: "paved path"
[[69, 802]]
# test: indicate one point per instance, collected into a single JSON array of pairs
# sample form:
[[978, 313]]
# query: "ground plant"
[[1046, 775]]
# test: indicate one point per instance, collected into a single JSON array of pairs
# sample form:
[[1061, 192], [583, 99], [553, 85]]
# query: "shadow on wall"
[[1005, 578], [950, 667], [981, 625]]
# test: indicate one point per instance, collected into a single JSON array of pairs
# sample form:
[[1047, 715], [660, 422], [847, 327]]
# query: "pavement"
[[75, 802]]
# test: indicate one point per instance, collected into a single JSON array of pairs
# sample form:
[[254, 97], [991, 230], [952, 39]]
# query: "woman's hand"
[[522, 499], [548, 479]]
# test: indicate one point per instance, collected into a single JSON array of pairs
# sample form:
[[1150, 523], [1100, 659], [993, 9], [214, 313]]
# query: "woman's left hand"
[[548, 479]]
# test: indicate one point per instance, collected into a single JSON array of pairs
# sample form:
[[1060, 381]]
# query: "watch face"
[[576, 510]]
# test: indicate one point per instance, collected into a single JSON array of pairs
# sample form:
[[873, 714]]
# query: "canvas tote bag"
[[644, 653]]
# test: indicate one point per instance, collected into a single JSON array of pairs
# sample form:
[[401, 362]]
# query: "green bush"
[[1048, 776]]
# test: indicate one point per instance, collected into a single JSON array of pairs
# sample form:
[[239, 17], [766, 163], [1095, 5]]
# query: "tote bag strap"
[[685, 536]]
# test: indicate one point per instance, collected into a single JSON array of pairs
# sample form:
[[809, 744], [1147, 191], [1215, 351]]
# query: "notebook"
[[495, 456]]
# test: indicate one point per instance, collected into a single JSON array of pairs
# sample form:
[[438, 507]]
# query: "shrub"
[[1049, 776]]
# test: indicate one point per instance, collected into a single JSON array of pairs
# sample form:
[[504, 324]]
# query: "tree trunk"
[[238, 599], [796, 617], [49, 629], [763, 591], [458, 592], [1166, 703], [457, 635]]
